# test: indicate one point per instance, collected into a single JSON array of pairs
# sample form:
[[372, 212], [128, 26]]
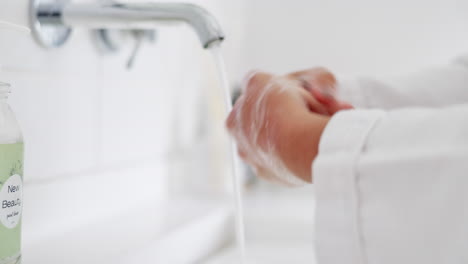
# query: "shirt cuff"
[[338, 231]]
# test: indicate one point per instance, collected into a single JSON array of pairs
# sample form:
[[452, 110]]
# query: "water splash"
[[240, 236]]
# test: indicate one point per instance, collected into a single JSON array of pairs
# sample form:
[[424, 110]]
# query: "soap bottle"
[[11, 181], [11, 176]]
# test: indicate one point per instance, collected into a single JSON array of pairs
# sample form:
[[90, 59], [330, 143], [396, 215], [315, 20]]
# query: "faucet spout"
[[132, 15]]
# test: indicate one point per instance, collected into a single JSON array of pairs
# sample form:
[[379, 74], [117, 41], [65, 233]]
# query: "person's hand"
[[278, 120]]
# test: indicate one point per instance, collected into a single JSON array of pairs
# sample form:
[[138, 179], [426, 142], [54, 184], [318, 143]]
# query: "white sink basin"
[[120, 217], [279, 229]]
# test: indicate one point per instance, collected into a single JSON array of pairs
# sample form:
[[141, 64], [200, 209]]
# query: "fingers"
[[316, 77], [324, 94], [246, 120], [313, 104], [345, 106], [231, 121], [265, 174], [253, 83], [336, 106], [318, 81], [256, 80], [322, 85]]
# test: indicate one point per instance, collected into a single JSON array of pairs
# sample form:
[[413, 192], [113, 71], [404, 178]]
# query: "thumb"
[[336, 106]]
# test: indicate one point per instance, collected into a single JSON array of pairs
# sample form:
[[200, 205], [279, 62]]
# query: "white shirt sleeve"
[[434, 87], [392, 187]]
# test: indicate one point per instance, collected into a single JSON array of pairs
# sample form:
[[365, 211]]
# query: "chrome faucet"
[[52, 19]]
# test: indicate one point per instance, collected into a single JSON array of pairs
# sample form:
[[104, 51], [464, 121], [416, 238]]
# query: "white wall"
[[355, 37]]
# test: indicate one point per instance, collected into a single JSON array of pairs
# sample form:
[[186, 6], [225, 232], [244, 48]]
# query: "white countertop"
[[184, 233]]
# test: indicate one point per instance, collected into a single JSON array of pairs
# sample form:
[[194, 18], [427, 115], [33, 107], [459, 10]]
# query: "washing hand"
[[278, 121]]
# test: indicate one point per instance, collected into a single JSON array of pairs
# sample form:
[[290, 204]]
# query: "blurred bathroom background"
[[130, 166]]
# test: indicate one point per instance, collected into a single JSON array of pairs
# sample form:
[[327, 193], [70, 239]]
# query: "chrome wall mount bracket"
[[111, 41], [48, 35]]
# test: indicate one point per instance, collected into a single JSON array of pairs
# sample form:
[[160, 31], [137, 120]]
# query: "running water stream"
[[235, 163]]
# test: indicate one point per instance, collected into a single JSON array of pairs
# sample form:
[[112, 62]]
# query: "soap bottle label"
[[11, 202]]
